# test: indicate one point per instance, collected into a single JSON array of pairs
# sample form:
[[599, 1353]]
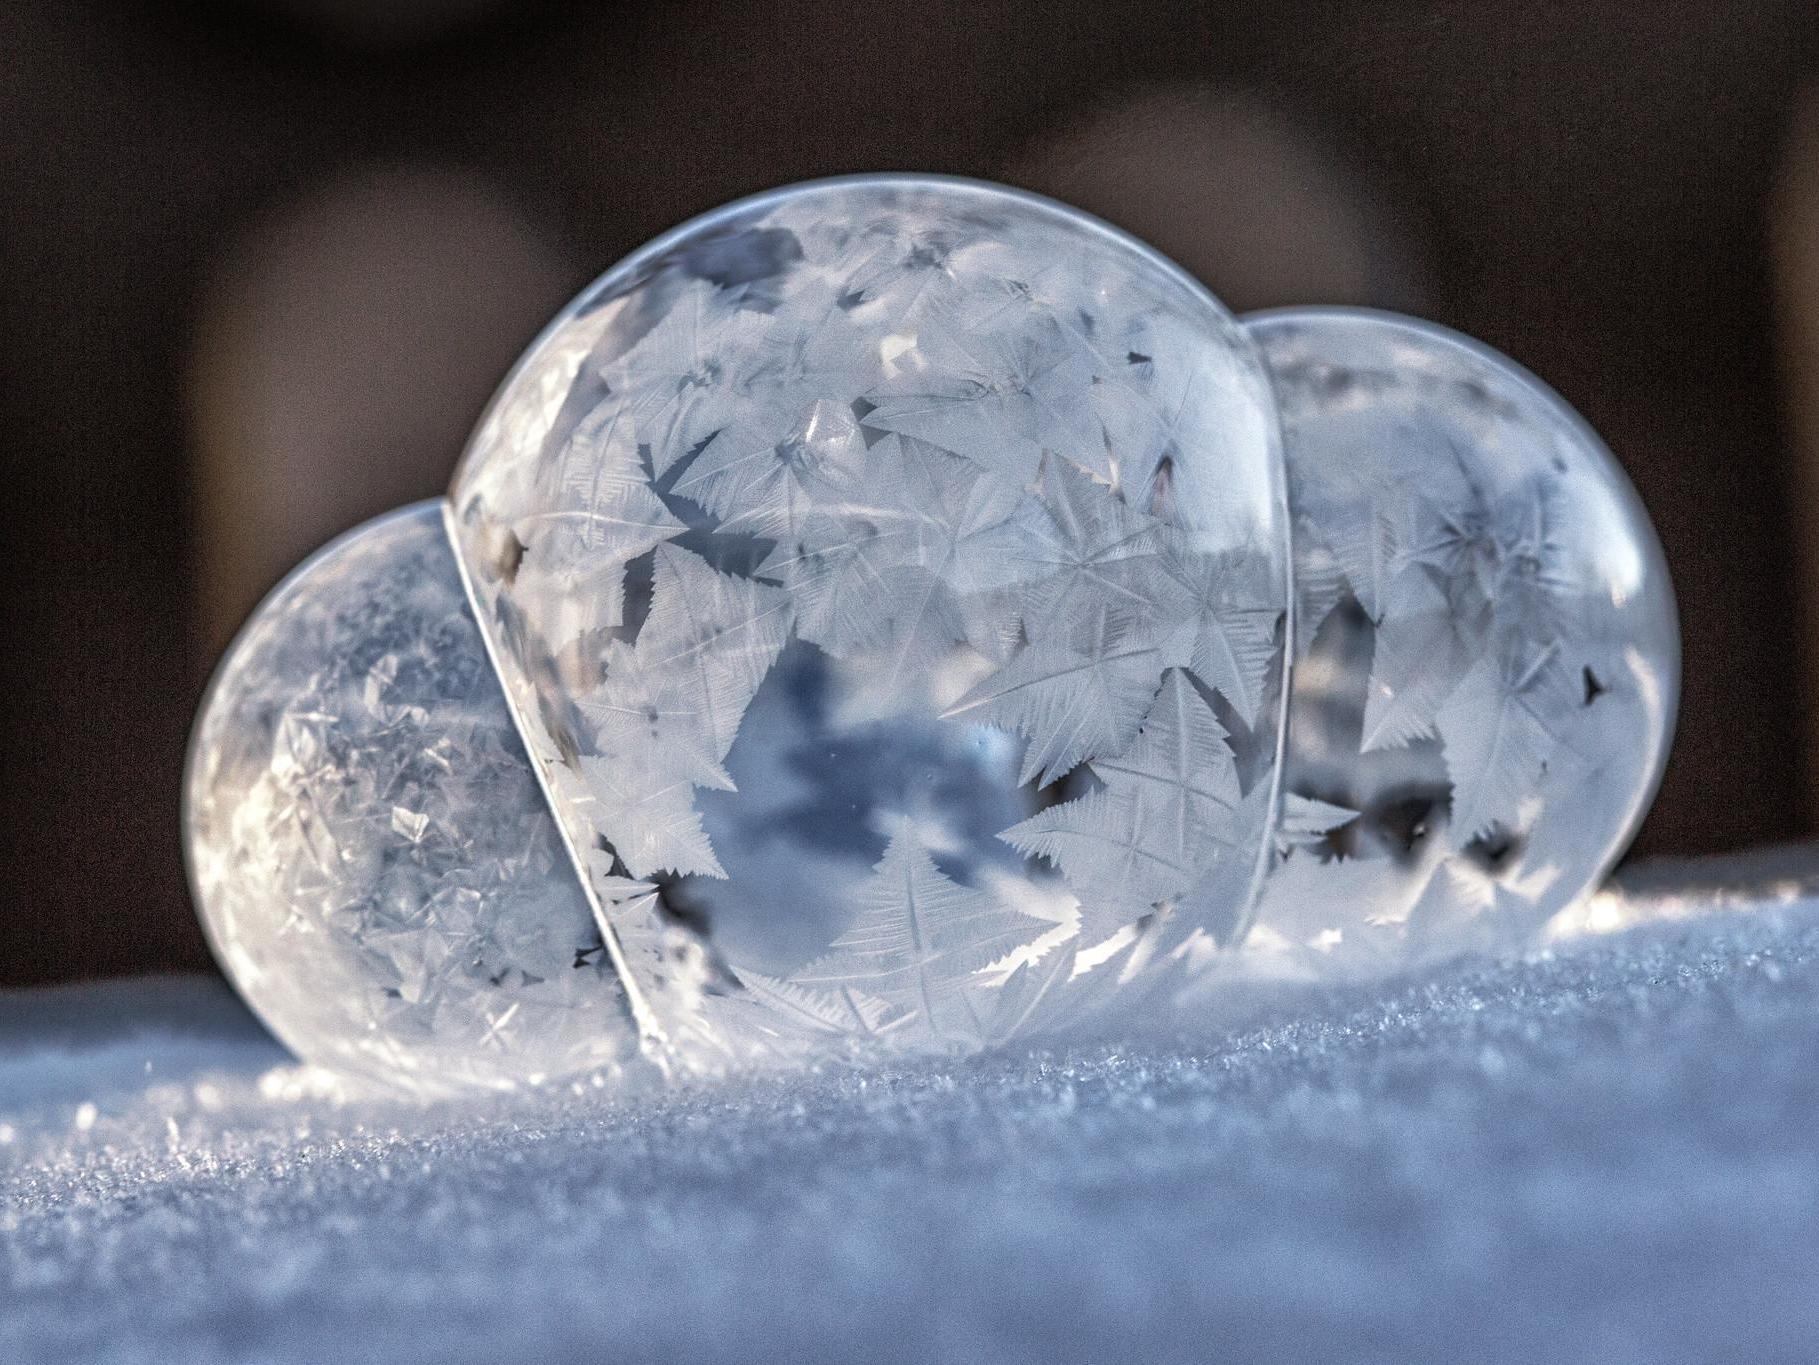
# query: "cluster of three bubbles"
[[905, 613]]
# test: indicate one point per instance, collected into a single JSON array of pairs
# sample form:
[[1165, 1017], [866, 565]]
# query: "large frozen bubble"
[[891, 575]]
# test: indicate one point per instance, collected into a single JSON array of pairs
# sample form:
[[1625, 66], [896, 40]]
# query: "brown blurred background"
[[262, 262]]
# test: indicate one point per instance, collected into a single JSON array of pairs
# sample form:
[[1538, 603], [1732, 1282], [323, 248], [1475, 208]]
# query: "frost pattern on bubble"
[[892, 578], [1487, 660], [375, 863]]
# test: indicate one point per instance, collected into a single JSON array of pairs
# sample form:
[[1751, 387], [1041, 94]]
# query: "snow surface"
[[1607, 1151]]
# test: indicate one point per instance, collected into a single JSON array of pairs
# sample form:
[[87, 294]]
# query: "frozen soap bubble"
[[889, 574], [1487, 662], [865, 618], [377, 869]]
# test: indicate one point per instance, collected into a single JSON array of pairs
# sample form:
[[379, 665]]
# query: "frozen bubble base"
[[1606, 1150]]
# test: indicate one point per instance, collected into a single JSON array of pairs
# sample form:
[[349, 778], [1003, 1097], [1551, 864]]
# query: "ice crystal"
[[1150, 833], [917, 942]]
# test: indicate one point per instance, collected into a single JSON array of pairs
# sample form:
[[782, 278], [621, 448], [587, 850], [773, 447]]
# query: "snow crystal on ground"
[[1608, 1151]]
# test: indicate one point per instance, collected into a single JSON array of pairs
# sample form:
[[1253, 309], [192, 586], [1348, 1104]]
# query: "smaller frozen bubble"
[[1487, 660], [375, 864]]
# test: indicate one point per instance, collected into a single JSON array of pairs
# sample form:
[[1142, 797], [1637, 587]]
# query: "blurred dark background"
[[262, 262]]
